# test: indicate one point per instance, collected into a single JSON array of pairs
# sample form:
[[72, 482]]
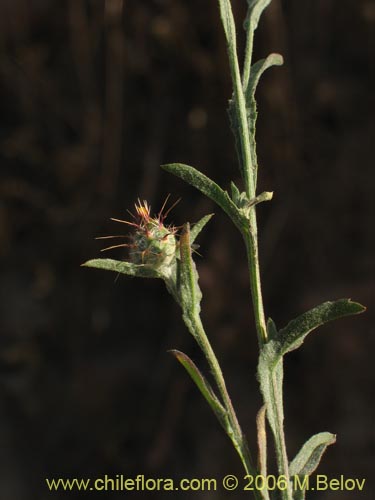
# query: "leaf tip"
[[177, 354], [88, 263], [358, 308], [277, 59], [168, 167]]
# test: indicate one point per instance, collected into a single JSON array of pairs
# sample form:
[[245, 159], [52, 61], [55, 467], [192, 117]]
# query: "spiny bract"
[[153, 243]]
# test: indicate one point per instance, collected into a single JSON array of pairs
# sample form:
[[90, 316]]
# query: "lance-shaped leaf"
[[292, 336], [118, 266], [198, 226], [309, 456], [229, 26], [204, 387], [256, 72], [236, 130], [190, 294], [208, 187], [256, 7], [270, 377]]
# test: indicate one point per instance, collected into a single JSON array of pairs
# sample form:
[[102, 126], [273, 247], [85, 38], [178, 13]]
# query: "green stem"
[[248, 170], [250, 235], [251, 241], [248, 57], [244, 133], [235, 433], [279, 435]]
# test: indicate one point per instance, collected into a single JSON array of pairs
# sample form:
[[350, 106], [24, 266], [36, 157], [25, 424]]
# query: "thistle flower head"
[[152, 243]]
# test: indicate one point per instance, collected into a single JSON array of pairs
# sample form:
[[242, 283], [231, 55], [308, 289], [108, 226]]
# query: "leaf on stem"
[[198, 226], [256, 72], [271, 329], [309, 456], [118, 266], [270, 377], [293, 335], [204, 387], [270, 367], [235, 127], [208, 187], [229, 26], [243, 203], [237, 195], [254, 11], [256, 7], [308, 459], [190, 294]]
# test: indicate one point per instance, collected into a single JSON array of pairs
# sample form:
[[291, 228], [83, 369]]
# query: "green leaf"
[[243, 203], [265, 196], [118, 266], [270, 377], [271, 329], [254, 11], [198, 226], [256, 7], [204, 387], [229, 26], [293, 335], [270, 367], [190, 294], [256, 72], [236, 130], [308, 458], [209, 188], [236, 194]]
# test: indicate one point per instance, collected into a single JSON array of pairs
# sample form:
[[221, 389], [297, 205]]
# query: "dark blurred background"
[[94, 96]]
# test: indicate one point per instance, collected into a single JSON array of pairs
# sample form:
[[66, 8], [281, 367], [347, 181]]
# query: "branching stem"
[[235, 432]]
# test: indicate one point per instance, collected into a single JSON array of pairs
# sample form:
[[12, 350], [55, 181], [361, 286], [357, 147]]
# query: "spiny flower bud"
[[153, 243]]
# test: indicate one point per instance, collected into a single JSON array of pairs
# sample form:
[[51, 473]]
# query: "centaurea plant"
[[160, 251]]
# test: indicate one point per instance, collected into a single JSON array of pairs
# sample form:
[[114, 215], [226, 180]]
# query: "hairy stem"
[[235, 433], [250, 233], [251, 241], [244, 133], [279, 435], [248, 57], [249, 174]]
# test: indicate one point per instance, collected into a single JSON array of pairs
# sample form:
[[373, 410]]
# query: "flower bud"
[[153, 243]]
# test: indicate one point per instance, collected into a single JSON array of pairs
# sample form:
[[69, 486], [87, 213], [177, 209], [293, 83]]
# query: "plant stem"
[[244, 133], [249, 175], [251, 242], [235, 433], [248, 57], [279, 436], [250, 235]]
